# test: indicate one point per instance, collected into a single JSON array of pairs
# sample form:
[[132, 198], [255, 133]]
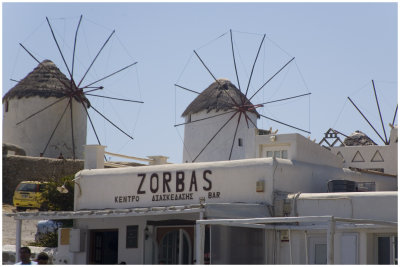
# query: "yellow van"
[[28, 194]]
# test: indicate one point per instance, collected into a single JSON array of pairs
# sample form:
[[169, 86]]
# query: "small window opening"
[[240, 142], [6, 106]]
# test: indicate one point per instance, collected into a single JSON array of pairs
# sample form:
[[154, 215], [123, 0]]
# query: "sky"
[[338, 49]]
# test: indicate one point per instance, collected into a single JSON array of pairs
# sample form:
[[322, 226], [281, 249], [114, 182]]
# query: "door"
[[317, 250], [175, 245], [104, 246]]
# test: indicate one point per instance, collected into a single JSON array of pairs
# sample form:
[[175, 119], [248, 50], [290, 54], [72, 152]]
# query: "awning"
[[218, 210], [105, 213]]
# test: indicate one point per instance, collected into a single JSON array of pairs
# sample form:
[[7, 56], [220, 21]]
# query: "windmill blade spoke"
[[43, 109], [248, 119], [111, 122], [291, 126], [55, 128], [204, 118], [234, 136], [395, 113], [202, 62], [379, 110], [271, 78], [234, 61], [95, 89], [254, 64], [14, 80], [215, 135], [94, 129], [95, 58], [114, 98], [73, 54], [59, 49], [184, 88], [108, 76], [365, 118], [283, 99]]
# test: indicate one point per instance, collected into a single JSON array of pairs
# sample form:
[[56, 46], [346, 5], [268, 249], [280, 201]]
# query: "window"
[[6, 106], [132, 236], [240, 142], [281, 154]]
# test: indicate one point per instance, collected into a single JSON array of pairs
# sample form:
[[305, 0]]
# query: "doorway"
[[104, 246], [175, 245]]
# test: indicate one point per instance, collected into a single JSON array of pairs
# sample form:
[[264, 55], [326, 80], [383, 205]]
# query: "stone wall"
[[22, 168]]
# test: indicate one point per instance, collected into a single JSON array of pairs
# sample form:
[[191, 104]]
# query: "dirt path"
[[9, 226]]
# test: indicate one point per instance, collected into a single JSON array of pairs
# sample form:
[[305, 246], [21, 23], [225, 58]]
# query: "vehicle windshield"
[[27, 187]]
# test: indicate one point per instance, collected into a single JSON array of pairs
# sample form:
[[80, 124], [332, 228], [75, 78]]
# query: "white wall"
[[33, 134], [357, 205], [198, 134], [218, 182], [299, 148], [388, 153]]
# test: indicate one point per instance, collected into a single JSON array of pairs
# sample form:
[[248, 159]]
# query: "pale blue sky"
[[338, 48]]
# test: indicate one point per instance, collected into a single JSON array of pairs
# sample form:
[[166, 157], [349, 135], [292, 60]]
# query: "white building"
[[371, 157], [276, 203], [36, 117], [175, 213]]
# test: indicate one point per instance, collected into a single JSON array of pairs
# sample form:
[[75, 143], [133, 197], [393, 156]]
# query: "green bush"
[[47, 240], [52, 199]]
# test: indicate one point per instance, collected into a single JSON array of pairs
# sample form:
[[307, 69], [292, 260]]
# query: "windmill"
[[222, 120], [66, 101], [383, 136]]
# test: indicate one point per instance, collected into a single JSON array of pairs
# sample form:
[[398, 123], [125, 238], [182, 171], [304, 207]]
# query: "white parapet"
[[94, 157]]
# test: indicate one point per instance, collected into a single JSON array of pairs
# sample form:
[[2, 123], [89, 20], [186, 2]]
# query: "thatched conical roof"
[[46, 80], [358, 138], [220, 95]]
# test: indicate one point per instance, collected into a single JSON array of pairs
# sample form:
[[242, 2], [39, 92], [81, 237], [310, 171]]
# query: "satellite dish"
[[62, 189]]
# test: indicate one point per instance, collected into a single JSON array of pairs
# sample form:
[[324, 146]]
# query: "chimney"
[[94, 157]]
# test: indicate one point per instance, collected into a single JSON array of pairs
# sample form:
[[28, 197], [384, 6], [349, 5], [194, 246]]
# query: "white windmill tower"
[[39, 117], [46, 113], [220, 124]]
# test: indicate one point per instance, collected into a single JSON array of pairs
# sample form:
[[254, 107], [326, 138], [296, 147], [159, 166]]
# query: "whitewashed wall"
[[368, 158], [218, 182], [198, 134], [33, 134]]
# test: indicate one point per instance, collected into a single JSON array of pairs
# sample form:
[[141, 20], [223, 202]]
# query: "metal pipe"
[[290, 246], [180, 260], [330, 234], [200, 231], [18, 240], [306, 245]]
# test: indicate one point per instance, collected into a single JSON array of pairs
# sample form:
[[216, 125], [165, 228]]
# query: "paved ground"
[[9, 226]]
